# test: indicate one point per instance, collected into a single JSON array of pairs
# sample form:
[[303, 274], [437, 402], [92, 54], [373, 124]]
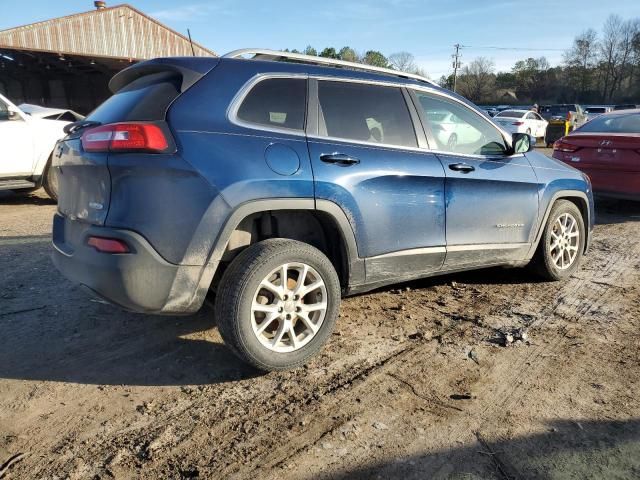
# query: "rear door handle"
[[462, 167], [339, 159]]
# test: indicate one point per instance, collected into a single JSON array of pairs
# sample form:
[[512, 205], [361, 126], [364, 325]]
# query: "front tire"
[[562, 243], [277, 303]]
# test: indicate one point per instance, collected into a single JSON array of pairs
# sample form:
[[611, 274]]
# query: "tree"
[[402, 61], [310, 51], [348, 54], [616, 53], [532, 78], [329, 52], [581, 59], [505, 80], [477, 80], [446, 81], [375, 58]]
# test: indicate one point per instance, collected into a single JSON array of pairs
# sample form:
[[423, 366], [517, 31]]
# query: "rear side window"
[[366, 113], [145, 99], [276, 102]]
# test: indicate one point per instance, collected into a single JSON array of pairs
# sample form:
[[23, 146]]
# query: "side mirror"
[[523, 142]]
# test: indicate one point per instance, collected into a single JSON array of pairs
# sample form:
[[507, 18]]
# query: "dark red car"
[[607, 149]]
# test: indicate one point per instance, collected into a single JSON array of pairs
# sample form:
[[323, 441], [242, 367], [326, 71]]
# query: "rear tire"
[[274, 324], [50, 182], [562, 244]]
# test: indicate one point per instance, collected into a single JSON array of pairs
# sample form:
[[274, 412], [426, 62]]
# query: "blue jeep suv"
[[282, 182]]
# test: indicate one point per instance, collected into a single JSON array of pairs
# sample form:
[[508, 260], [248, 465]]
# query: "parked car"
[[451, 130], [628, 106], [607, 149], [593, 111], [283, 185], [522, 121], [27, 143], [572, 113], [50, 113], [491, 111]]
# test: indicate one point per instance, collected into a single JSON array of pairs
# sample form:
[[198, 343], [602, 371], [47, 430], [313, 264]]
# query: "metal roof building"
[[68, 61]]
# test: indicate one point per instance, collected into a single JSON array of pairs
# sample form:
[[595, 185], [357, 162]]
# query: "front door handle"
[[339, 159], [462, 167]]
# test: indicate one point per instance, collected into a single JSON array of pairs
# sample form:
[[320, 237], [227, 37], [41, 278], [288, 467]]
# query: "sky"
[[514, 29]]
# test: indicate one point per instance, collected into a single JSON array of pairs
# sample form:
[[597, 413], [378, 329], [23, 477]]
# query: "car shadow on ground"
[[569, 449], [610, 211], [37, 197], [100, 344]]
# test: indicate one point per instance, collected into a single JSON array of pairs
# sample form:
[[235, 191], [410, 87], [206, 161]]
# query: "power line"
[[521, 49]]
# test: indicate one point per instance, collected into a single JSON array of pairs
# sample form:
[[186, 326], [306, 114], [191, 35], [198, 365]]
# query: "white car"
[[27, 143], [50, 113], [452, 131], [522, 121]]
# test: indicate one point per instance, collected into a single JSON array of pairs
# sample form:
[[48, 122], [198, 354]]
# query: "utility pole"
[[456, 64]]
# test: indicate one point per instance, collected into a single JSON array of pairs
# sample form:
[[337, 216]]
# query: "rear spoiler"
[[190, 69]]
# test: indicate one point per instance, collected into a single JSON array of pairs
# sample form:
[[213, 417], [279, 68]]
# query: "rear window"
[[561, 110], [144, 99], [510, 114], [366, 113], [276, 102], [624, 107], [621, 123]]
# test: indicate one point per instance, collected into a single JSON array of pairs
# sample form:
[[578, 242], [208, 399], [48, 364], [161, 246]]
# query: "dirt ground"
[[414, 384]]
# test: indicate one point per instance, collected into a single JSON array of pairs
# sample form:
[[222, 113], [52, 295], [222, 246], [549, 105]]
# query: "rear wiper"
[[75, 126]]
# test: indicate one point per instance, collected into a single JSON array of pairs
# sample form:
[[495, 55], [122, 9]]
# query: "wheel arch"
[[296, 219], [580, 200]]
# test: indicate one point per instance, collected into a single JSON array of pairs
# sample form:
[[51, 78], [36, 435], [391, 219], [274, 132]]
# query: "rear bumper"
[[140, 281]]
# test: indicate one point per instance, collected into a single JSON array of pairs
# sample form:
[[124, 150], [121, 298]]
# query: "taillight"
[[145, 137], [562, 146], [517, 124], [108, 245]]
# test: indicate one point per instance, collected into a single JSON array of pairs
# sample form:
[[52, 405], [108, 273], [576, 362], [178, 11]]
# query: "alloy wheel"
[[564, 241], [289, 307]]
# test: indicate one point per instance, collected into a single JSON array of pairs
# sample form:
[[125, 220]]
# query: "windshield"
[[596, 110], [622, 123], [510, 114]]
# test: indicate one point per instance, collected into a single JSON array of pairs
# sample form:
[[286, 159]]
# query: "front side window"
[[365, 113], [458, 129], [276, 102]]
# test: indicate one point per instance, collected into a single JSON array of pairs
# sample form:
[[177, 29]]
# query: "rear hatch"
[[131, 120]]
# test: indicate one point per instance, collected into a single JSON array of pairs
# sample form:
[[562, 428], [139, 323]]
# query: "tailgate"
[[84, 182], [141, 93]]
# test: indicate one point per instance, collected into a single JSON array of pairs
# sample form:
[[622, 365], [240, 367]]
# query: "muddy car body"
[[284, 185]]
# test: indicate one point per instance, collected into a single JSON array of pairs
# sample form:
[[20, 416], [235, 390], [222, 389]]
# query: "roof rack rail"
[[275, 55]]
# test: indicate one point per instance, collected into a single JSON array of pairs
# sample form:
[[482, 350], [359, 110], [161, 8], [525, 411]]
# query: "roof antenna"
[[191, 42]]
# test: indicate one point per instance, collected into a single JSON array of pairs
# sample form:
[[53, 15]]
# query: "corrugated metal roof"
[[117, 32]]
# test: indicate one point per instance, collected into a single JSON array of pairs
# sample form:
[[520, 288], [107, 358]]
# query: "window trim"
[[311, 125], [240, 96]]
